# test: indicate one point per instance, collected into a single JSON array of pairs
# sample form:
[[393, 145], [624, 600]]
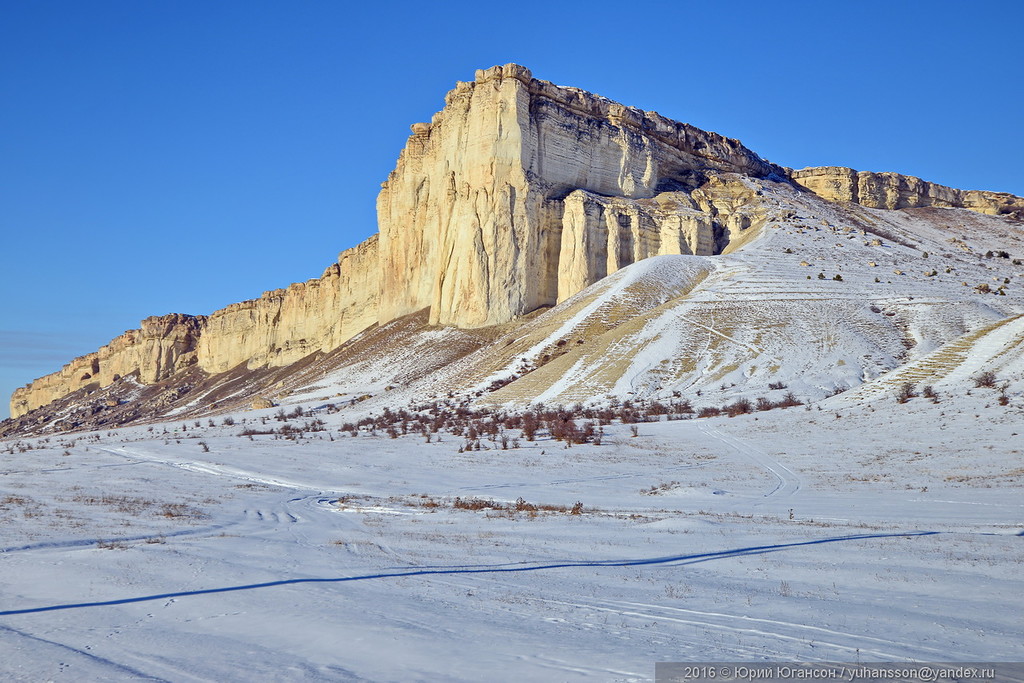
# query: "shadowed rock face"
[[516, 196]]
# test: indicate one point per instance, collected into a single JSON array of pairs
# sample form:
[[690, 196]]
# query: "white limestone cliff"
[[162, 346], [285, 325], [473, 219], [517, 195]]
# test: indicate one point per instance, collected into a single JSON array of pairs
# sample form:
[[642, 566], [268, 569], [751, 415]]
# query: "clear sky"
[[179, 156]]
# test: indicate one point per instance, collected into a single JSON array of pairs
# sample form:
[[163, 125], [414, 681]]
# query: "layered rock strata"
[[285, 325], [276, 329], [895, 191]]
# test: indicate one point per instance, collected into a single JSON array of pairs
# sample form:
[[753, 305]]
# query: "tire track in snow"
[[90, 542], [213, 469], [634, 610], [789, 483], [318, 501], [710, 617], [71, 468], [842, 642]]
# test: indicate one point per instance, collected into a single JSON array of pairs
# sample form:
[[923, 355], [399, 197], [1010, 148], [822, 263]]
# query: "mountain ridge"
[[517, 196]]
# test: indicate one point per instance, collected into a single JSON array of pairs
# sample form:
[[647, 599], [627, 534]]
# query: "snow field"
[[881, 534]]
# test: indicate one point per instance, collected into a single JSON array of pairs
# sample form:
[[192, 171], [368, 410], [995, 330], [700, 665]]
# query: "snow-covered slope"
[[827, 299]]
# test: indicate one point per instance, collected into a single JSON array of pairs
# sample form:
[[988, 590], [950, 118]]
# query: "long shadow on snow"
[[86, 542], [676, 560]]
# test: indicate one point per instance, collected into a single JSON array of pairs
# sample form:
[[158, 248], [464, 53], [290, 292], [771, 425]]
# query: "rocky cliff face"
[[520, 192], [161, 347], [285, 325], [895, 191], [515, 196]]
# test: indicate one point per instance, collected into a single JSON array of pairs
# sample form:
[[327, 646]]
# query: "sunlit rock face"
[[162, 346], [285, 325], [895, 191], [520, 193]]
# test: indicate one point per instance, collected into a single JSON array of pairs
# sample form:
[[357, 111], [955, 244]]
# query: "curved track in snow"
[[788, 482]]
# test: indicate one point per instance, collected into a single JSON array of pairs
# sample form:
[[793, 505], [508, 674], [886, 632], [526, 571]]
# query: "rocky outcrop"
[[285, 325], [472, 219], [600, 235], [895, 191], [276, 329], [517, 195], [161, 347]]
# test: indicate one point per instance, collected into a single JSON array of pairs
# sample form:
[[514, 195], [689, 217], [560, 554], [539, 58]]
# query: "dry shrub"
[[986, 379], [907, 391]]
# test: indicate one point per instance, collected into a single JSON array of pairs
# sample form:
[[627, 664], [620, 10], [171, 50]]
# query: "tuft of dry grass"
[[132, 505], [658, 489]]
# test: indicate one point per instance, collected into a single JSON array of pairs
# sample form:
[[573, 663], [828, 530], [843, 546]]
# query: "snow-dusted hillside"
[[825, 299]]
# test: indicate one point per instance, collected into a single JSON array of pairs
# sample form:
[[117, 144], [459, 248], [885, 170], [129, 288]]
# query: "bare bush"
[[906, 392], [789, 401], [986, 379], [740, 406]]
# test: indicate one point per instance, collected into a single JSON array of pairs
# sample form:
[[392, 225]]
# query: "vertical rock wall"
[[463, 230], [480, 220], [162, 346], [600, 235], [285, 325]]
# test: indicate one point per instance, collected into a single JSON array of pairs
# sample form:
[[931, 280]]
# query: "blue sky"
[[162, 157]]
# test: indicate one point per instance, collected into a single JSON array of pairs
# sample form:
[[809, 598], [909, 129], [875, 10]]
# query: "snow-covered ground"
[[880, 532]]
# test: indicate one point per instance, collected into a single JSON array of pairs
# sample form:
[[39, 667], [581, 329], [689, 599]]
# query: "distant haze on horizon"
[[161, 158]]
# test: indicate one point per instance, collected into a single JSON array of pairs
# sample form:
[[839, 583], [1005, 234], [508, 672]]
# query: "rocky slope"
[[516, 197]]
